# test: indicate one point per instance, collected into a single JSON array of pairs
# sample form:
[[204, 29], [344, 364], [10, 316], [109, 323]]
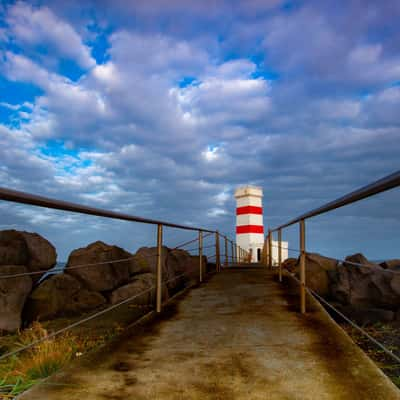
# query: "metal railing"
[[388, 182], [233, 253], [237, 253]]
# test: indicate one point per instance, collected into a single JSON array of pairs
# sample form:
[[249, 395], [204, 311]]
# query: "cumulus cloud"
[[34, 27], [173, 119], [330, 47]]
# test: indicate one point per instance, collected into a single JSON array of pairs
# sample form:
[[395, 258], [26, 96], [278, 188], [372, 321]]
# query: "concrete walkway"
[[235, 337]]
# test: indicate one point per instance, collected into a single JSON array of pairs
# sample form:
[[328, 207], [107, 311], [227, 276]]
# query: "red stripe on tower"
[[249, 229], [249, 210]]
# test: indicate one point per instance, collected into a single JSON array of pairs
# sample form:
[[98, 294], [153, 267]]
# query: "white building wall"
[[275, 251]]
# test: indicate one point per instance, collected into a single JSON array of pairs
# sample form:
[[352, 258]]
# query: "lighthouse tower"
[[249, 220]]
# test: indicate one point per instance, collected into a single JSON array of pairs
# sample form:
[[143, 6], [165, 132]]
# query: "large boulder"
[[318, 273], [13, 293], [178, 266], [61, 295], [138, 265], [358, 259], [103, 274], [290, 264], [142, 288], [370, 286], [391, 264], [170, 270], [28, 249], [147, 256]]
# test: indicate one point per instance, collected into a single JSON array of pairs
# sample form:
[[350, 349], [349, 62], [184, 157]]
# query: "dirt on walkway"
[[238, 336]]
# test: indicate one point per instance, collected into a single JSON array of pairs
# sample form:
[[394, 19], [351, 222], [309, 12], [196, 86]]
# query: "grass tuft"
[[18, 373]]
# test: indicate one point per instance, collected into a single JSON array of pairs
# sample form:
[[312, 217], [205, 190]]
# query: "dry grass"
[[22, 371]]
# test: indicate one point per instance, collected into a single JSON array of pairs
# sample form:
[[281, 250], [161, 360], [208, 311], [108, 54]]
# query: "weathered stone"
[[173, 263], [318, 272], [138, 265], [391, 264], [60, 295], [371, 287], [13, 293], [26, 248], [185, 268], [340, 285], [149, 255], [358, 258], [13, 249], [143, 286], [104, 274], [290, 264]]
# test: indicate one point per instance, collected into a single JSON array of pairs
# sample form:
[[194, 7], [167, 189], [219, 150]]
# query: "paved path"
[[235, 337]]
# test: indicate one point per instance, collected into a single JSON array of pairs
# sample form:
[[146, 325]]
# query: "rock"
[[173, 263], [26, 248], [318, 273], [367, 316], [370, 287], [178, 267], [104, 276], [140, 283], [13, 293], [340, 285], [139, 265], [391, 264], [290, 264], [148, 255], [61, 295], [359, 258], [185, 268]]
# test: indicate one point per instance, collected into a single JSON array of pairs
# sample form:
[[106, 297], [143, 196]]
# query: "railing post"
[[280, 253], [159, 269], [236, 253], [226, 252], [217, 254], [265, 257], [302, 266], [270, 248], [201, 256], [232, 253]]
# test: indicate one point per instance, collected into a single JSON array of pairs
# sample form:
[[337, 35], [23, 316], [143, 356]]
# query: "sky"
[[162, 108]]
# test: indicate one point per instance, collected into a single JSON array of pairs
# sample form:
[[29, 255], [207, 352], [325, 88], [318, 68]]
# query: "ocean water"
[[57, 269]]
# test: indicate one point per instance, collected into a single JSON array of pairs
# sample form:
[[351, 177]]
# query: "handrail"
[[47, 202], [388, 182]]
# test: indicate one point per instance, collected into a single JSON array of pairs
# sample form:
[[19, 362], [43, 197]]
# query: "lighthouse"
[[249, 220], [250, 224]]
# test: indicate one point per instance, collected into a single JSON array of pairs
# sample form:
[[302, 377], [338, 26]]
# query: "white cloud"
[[32, 26]]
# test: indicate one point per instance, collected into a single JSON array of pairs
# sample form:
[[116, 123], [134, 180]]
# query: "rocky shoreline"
[[94, 277], [364, 291], [101, 274]]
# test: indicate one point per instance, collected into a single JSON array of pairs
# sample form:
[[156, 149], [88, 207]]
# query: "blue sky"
[[162, 110]]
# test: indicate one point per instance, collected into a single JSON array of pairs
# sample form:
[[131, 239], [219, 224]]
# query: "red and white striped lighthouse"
[[249, 220]]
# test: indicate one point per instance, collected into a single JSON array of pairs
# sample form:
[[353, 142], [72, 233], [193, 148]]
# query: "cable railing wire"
[[190, 242], [352, 323], [73, 325], [83, 320], [62, 269], [340, 260], [56, 270]]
